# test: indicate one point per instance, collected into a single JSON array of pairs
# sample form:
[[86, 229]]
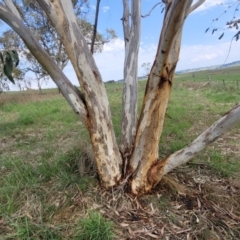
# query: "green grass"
[[164, 203], [222, 96], [95, 227], [42, 143], [25, 230], [224, 166], [229, 75]]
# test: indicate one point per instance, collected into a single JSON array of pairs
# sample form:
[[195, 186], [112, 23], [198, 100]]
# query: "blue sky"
[[199, 49]]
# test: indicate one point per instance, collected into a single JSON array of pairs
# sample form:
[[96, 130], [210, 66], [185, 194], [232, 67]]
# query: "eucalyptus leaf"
[[8, 67], [221, 36], [237, 35], [1, 57], [14, 56]]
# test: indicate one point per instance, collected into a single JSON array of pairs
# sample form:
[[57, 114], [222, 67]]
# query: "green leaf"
[[237, 35], [16, 58], [221, 36], [8, 67], [206, 30], [1, 57], [214, 30]]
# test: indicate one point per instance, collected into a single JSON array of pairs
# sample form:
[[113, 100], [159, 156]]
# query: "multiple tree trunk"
[[136, 162]]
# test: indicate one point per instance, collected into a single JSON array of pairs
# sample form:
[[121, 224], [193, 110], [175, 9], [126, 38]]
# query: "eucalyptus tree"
[[135, 165]]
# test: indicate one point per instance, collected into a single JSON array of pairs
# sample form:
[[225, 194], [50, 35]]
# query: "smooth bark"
[[221, 126], [131, 27]]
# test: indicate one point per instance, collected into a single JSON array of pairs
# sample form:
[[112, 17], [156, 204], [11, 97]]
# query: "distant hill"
[[228, 65], [139, 79], [216, 67]]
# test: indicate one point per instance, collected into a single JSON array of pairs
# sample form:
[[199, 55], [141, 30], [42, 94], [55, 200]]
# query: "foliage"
[[147, 68], [101, 39], [231, 24], [25, 230], [8, 61], [10, 42]]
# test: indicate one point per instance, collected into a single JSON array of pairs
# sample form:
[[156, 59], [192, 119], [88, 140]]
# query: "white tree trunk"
[[131, 26], [99, 122]]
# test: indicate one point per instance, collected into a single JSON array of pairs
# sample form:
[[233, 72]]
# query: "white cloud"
[[110, 62], [115, 45], [210, 4], [105, 8], [195, 56]]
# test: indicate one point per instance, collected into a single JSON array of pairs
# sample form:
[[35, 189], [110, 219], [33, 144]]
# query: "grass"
[[94, 227], [229, 75], [225, 166], [45, 151], [25, 230], [164, 203]]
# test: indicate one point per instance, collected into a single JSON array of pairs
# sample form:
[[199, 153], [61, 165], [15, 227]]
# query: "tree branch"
[[95, 26], [12, 8], [148, 14], [130, 90], [221, 126], [125, 21], [195, 6]]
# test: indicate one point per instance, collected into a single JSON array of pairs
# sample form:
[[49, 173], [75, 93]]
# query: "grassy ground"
[[227, 79], [48, 186]]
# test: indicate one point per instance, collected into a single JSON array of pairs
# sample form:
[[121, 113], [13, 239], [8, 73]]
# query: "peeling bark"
[[141, 169], [156, 97], [100, 127]]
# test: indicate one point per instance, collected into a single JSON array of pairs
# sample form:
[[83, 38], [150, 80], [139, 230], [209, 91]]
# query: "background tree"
[[10, 41], [136, 166], [146, 68], [232, 23], [8, 62], [41, 27]]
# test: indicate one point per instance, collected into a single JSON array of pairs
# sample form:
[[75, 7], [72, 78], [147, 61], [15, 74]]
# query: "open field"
[[48, 183], [221, 79], [227, 74]]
